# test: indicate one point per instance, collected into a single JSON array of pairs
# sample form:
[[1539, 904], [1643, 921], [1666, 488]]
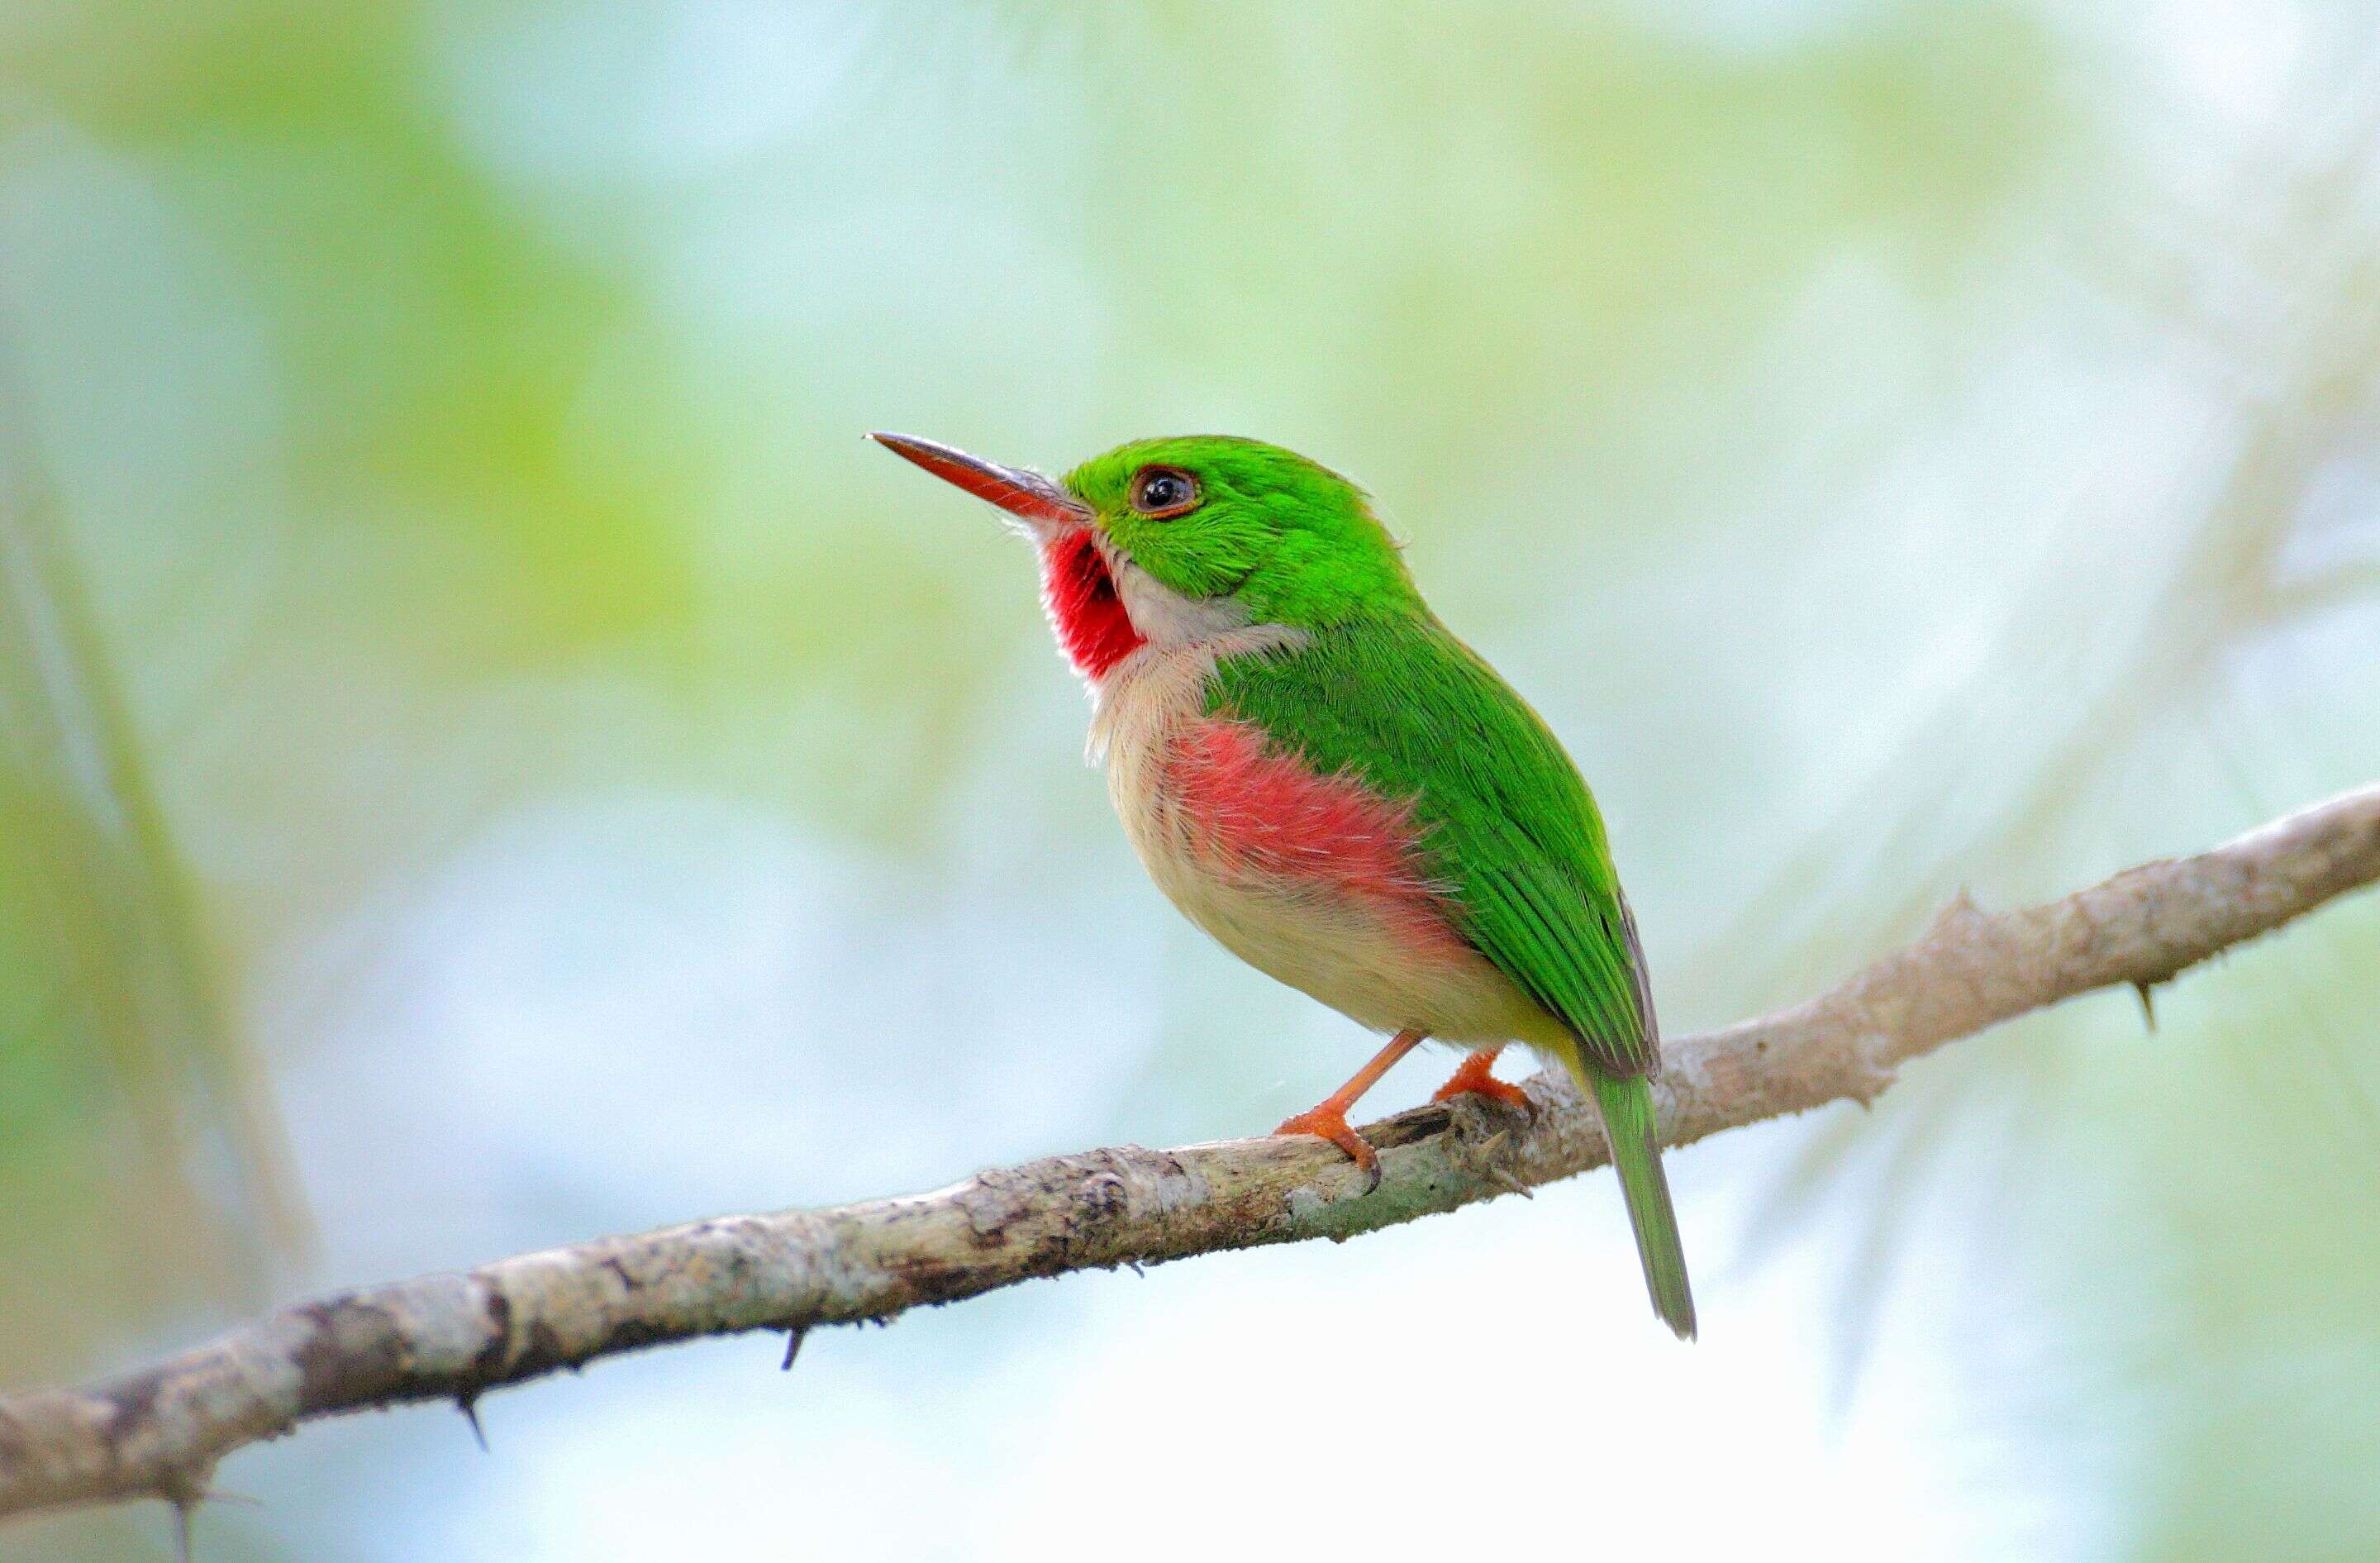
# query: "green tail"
[[1626, 1103]]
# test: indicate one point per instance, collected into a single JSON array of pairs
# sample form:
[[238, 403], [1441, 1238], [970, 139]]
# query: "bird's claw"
[[1331, 1124], [1474, 1078]]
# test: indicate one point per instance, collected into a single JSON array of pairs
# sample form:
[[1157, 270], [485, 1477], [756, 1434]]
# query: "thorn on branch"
[[2148, 1002], [469, 1405], [184, 1505], [185, 1489], [1961, 908], [793, 1347], [1512, 1184]]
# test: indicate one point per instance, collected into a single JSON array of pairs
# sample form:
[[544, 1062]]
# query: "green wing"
[[1415, 714]]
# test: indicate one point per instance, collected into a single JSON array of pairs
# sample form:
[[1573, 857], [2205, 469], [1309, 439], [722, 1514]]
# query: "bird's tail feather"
[[1626, 1103]]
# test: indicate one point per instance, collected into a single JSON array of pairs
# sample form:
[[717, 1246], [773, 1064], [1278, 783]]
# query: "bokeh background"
[[492, 758]]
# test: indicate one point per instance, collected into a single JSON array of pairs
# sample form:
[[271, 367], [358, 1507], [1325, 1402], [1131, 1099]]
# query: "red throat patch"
[[1084, 610]]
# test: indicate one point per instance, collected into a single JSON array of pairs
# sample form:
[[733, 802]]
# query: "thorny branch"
[[158, 1431]]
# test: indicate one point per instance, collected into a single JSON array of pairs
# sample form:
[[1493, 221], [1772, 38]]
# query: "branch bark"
[[158, 1431]]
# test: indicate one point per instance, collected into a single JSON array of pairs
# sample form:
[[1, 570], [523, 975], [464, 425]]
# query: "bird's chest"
[[1313, 879], [1150, 710]]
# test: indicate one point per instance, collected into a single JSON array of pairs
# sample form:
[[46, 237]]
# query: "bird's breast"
[[1316, 880]]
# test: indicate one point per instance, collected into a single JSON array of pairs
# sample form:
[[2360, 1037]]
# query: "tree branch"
[[160, 1430]]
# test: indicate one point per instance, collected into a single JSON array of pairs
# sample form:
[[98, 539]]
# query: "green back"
[[1398, 701]]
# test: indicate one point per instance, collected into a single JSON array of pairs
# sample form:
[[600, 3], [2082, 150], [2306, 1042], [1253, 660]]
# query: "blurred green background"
[[490, 758]]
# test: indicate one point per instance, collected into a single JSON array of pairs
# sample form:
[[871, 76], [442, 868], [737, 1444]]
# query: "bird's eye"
[[1160, 491]]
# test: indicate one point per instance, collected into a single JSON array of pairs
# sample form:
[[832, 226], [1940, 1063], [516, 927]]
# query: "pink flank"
[[1084, 610], [1261, 814]]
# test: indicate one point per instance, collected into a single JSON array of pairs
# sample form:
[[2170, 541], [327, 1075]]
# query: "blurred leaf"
[[109, 958]]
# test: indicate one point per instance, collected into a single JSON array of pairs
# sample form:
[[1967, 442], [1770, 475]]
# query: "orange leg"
[[1474, 1077], [1327, 1119]]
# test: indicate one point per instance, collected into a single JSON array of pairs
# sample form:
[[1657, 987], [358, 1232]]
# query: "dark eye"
[[1160, 491]]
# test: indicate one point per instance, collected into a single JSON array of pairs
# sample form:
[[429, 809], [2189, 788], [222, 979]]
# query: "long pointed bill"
[[1018, 492]]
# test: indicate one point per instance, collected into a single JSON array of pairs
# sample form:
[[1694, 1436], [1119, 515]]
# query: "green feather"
[[1510, 827], [1514, 835], [1629, 1123], [1289, 540]]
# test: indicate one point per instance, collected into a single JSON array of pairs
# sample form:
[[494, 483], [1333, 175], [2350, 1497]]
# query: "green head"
[[1212, 516], [1237, 530]]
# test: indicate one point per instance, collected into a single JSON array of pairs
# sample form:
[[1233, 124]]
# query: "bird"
[[1319, 773]]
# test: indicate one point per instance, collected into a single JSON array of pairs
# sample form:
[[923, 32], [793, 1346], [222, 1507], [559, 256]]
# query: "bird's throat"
[[1083, 606]]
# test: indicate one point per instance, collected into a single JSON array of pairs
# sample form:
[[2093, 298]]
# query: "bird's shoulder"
[[1417, 712]]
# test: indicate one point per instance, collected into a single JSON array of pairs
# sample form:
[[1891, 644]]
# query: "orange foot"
[[1330, 1123], [1474, 1078]]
